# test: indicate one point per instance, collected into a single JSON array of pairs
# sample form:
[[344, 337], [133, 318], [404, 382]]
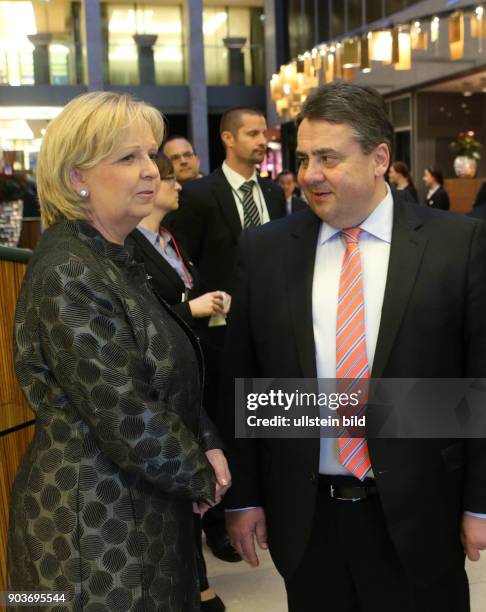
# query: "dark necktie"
[[251, 216]]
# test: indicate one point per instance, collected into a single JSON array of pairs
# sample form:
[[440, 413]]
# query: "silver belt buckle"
[[348, 499]]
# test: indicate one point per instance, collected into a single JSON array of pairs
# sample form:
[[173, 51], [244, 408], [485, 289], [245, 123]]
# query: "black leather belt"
[[344, 488]]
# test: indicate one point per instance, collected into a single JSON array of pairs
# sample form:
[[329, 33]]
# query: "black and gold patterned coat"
[[102, 504]]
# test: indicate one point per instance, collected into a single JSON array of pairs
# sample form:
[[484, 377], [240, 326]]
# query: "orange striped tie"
[[351, 356]]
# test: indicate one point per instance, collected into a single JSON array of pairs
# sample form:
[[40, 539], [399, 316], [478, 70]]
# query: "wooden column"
[[16, 418]]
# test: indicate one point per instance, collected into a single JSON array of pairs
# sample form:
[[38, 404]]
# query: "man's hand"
[[243, 526], [473, 536], [219, 464]]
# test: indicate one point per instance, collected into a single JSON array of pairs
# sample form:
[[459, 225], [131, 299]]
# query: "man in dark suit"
[[362, 284], [286, 180], [213, 211]]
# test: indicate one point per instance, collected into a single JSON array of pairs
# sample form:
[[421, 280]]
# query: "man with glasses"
[[185, 161]]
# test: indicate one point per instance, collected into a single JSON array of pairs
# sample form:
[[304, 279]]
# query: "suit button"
[[313, 477]]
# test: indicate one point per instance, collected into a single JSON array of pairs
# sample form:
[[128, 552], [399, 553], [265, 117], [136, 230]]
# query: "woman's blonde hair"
[[83, 134]]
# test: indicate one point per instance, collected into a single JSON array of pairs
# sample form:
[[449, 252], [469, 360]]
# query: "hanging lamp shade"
[[307, 64], [351, 53], [477, 23], [317, 60], [276, 88], [349, 74], [338, 62], [290, 74], [404, 51], [381, 46], [419, 38], [329, 71], [300, 84], [456, 35]]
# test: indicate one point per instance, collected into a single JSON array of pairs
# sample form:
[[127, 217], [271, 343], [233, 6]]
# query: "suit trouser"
[[351, 565], [212, 341]]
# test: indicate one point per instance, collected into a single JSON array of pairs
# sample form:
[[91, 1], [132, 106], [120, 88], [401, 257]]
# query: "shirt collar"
[[151, 236], [235, 179], [432, 191], [379, 223]]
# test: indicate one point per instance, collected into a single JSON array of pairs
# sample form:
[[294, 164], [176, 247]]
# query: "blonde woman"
[[101, 508]]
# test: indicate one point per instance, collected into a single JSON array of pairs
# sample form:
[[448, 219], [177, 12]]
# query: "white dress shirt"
[[288, 205], [236, 181], [374, 244], [431, 192]]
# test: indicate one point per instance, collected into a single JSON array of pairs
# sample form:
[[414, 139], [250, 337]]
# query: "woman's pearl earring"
[[84, 193]]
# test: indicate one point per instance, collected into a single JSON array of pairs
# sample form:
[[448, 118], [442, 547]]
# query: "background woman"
[[102, 504], [399, 176], [172, 274], [437, 196], [174, 278]]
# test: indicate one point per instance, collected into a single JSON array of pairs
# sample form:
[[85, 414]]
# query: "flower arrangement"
[[13, 187], [466, 145]]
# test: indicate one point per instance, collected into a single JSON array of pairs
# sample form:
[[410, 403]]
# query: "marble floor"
[[244, 589]]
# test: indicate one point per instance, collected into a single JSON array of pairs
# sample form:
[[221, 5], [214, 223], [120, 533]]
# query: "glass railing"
[[62, 60], [169, 64], [216, 59], [18, 68]]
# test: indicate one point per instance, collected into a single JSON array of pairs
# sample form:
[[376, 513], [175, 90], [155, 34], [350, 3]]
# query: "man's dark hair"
[[179, 137], [285, 173], [437, 174], [232, 119], [362, 108]]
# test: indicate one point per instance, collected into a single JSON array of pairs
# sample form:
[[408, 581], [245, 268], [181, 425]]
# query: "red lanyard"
[[181, 259]]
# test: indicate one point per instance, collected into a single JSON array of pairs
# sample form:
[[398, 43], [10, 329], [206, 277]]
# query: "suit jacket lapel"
[[300, 258], [407, 247], [166, 269], [275, 206], [224, 196]]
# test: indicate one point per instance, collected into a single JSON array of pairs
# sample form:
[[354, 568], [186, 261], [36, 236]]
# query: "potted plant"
[[466, 148], [13, 189]]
